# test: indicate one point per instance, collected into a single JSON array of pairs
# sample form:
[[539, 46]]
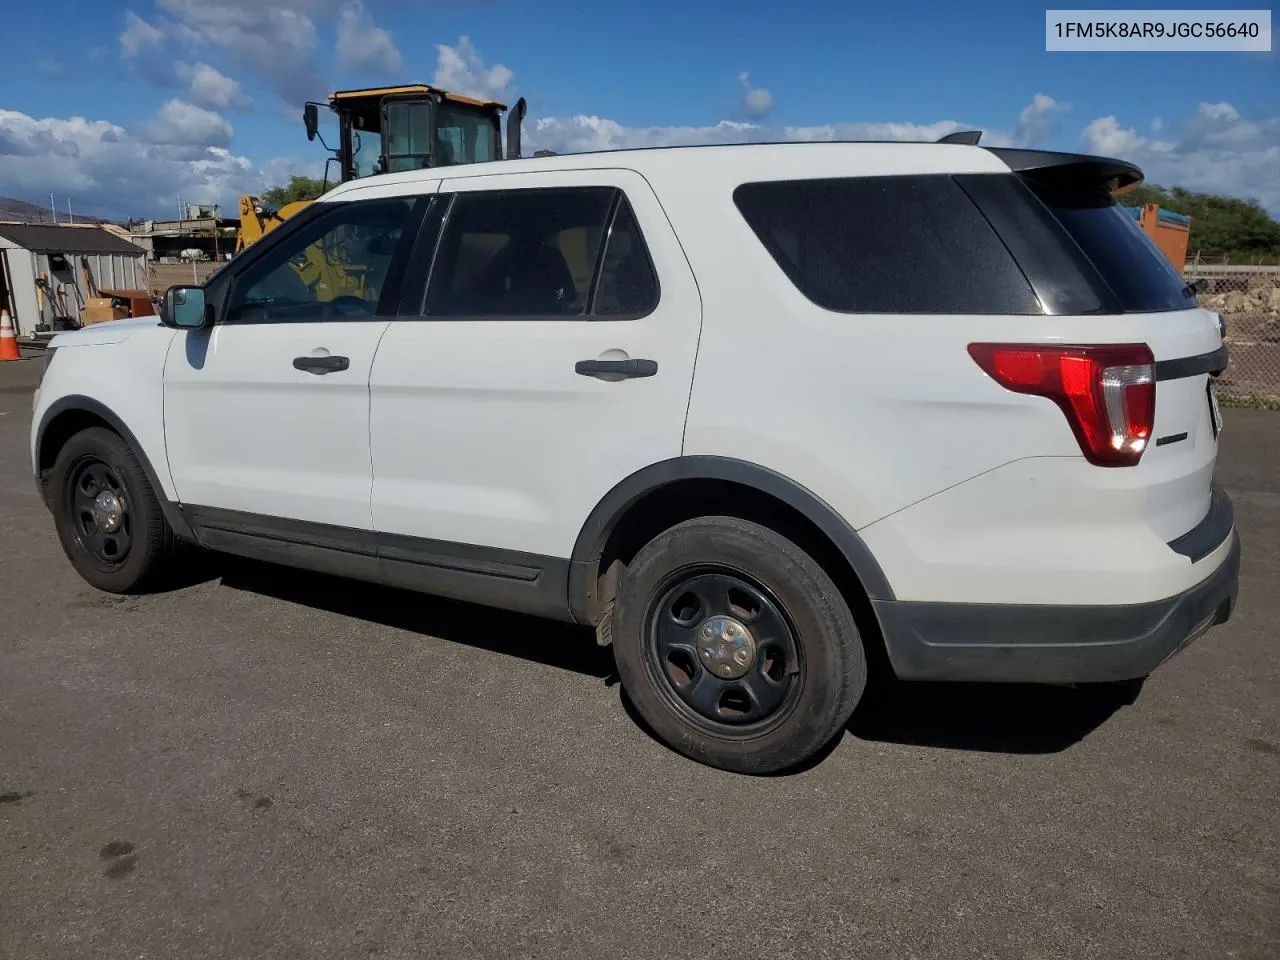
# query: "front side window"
[[335, 267]]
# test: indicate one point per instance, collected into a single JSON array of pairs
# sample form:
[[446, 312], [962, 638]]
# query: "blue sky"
[[123, 106]]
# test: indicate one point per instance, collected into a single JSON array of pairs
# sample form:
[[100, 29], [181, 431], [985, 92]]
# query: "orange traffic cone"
[[8, 339]]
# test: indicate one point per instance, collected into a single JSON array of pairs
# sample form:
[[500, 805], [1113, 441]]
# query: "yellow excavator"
[[386, 130]]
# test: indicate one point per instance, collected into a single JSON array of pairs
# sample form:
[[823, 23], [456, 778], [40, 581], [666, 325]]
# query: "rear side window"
[[1139, 275], [909, 244], [628, 286], [541, 252], [519, 253]]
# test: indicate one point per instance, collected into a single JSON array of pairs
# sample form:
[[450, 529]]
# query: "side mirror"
[[185, 308], [311, 118]]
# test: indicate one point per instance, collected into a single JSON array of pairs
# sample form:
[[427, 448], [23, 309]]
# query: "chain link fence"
[[1248, 299]]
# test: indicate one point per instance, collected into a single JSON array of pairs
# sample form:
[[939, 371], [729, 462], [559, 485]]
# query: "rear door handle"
[[321, 365], [616, 368]]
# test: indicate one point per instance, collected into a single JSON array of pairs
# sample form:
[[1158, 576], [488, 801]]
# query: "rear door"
[[550, 357]]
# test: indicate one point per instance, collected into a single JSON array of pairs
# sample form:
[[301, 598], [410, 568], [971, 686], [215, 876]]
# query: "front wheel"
[[736, 647], [107, 516]]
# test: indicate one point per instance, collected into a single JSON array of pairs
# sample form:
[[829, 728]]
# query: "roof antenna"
[[969, 137]]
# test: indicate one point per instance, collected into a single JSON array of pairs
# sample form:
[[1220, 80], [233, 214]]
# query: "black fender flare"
[[602, 520], [76, 403]]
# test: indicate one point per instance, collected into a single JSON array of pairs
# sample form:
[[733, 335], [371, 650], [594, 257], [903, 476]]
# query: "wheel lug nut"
[[741, 656], [706, 631]]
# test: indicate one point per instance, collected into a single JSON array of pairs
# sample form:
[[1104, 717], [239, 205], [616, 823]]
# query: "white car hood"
[[110, 331]]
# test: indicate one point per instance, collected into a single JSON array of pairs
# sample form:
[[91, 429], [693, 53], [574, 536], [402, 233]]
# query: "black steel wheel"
[[725, 650], [107, 515], [735, 647], [99, 509]]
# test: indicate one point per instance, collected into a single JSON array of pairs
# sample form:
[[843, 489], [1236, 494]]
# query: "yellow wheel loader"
[[386, 130]]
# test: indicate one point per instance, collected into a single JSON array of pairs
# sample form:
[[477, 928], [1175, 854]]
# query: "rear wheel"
[[735, 646], [107, 515]]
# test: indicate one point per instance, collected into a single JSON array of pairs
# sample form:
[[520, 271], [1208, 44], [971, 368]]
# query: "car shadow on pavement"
[[548, 642], [996, 718], [988, 717]]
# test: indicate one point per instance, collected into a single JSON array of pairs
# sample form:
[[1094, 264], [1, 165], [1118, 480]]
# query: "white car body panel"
[[246, 431], [119, 364], [482, 433]]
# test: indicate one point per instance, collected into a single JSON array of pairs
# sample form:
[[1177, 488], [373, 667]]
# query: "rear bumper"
[[1024, 643]]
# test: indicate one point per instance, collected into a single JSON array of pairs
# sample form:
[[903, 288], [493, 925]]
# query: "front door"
[[551, 357], [267, 411]]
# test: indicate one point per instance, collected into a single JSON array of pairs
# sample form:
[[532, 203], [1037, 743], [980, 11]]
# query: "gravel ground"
[[265, 764]]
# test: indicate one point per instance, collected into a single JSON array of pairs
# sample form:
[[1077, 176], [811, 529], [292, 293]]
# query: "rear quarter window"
[[1141, 277], [894, 244]]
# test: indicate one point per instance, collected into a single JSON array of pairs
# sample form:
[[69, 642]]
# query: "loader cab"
[[390, 129]]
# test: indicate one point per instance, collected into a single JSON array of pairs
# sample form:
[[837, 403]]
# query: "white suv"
[[756, 413]]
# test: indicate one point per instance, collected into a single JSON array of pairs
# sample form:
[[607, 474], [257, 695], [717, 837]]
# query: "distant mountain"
[[33, 213]]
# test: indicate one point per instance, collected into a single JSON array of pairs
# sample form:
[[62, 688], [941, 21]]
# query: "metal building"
[[48, 272]]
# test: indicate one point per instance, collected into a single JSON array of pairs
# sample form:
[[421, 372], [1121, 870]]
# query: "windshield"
[[463, 135]]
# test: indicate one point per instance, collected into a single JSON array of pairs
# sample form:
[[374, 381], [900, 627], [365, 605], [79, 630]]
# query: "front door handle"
[[616, 369], [321, 365]]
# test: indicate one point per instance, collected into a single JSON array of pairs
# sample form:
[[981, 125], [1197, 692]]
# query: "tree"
[[1220, 225], [298, 188]]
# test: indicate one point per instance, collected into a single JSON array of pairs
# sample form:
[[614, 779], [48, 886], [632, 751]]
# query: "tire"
[[715, 596], [135, 555]]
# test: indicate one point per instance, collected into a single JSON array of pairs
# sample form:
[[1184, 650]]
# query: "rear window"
[[1140, 276], [908, 244]]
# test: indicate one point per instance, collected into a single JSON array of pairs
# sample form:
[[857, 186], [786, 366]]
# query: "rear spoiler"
[[1116, 175]]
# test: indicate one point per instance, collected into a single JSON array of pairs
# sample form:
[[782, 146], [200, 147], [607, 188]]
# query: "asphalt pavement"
[[269, 764]]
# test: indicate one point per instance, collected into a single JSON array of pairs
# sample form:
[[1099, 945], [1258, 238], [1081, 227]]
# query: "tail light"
[[1108, 392]]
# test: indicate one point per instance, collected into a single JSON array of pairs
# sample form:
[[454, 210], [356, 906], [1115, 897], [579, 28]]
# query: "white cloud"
[[110, 172], [460, 69], [138, 35], [275, 41], [756, 101], [211, 89], [183, 124], [278, 170], [1216, 151], [1105, 136], [1157, 124], [1035, 123], [364, 46], [582, 133]]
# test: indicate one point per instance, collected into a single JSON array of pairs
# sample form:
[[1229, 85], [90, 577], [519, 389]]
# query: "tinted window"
[[628, 286], [513, 253], [1060, 273], [910, 244], [1140, 276], [408, 135], [337, 266], [462, 136]]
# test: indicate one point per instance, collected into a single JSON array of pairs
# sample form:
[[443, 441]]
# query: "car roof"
[[745, 162]]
